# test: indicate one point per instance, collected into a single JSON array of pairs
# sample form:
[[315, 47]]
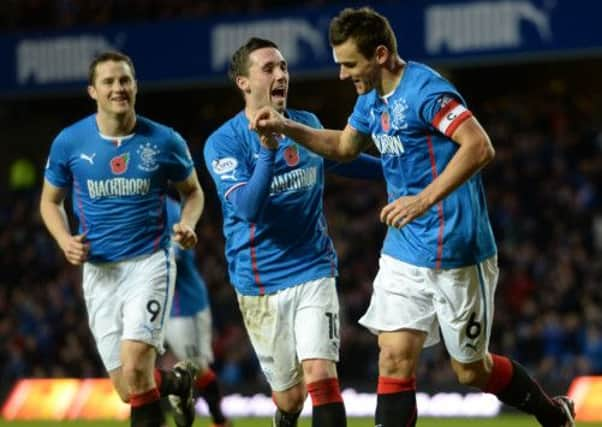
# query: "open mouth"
[[278, 93]]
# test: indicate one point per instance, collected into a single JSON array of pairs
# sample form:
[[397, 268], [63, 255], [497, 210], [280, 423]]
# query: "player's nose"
[[280, 74]]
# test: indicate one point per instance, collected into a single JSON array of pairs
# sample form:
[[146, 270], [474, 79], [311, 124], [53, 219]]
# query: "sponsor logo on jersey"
[[388, 144], [148, 157], [118, 187], [88, 158], [291, 155], [444, 100], [385, 123], [225, 165], [294, 180], [119, 164]]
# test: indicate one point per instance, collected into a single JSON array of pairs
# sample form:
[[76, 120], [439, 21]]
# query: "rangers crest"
[[398, 114], [148, 157]]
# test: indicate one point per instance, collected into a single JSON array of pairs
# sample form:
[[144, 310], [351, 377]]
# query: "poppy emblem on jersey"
[[119, 164], [291, 155], [384, 121], [148, 157]]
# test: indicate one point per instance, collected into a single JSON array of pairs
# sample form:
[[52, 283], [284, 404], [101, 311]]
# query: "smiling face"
[[363, 72], [266, 82], [114, 88]]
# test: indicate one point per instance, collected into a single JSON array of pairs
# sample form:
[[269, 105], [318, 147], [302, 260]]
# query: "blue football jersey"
[[412, 128], [289, 243], [190, 295], [119, 184]]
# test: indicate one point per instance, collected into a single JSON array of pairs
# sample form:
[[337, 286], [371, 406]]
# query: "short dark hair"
[[111, 55], [366, 27], [239, 64]]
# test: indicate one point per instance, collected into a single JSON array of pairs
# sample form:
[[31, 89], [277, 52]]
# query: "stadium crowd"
[[20, 15]]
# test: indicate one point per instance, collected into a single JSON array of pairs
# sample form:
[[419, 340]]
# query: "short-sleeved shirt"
[[412, 129], [288, 244], [190, 294], [119, 184]]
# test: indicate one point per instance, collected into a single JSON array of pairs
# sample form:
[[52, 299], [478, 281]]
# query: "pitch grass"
[[502, 421]]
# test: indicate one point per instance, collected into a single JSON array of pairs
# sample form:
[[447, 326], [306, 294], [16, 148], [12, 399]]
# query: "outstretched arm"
[[337, 145]]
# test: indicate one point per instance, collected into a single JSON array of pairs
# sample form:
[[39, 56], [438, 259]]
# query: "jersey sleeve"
[[226, 162], [443, 108], [57, 170], [360, 117], [179, 163]]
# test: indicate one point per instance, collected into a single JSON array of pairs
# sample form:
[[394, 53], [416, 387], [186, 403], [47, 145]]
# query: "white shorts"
[[457, 300], [189, 337], [290, 326], [129, 300]]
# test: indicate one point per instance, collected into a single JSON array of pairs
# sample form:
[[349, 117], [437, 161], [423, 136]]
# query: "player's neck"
[[116, 125], [250, 110], [391, 75]]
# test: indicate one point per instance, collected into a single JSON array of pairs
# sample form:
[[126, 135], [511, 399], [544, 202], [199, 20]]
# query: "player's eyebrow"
[[271, 64]]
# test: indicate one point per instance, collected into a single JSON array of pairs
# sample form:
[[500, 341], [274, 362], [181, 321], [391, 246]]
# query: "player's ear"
[[382, 54], [92, 92], [243, 83]]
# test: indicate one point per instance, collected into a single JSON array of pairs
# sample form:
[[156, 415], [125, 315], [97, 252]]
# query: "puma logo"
[[88, 158]]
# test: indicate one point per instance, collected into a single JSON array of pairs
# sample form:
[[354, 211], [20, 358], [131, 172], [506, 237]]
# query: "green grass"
[[502, 421]]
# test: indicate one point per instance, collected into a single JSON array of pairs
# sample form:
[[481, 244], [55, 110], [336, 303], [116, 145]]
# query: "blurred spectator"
[[22, 175]]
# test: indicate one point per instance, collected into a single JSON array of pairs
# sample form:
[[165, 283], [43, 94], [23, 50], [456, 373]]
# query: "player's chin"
[[121, 111], [361, 90], [279, 104]]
